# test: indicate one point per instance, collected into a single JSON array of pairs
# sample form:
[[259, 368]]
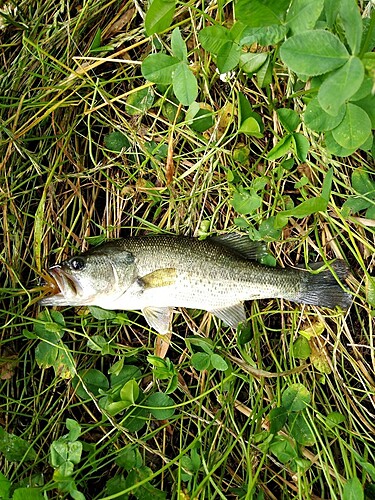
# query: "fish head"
[[92, 278]]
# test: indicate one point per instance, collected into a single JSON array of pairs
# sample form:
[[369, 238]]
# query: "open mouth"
[[60, 288]]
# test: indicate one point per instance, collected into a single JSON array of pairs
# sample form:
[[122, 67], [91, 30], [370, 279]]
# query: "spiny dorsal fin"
[[241, 245]]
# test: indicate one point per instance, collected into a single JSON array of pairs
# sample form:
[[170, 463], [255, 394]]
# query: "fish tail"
[[322, 289]]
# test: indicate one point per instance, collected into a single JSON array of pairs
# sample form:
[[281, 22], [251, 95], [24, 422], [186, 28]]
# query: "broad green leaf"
[[296, 397], [277, 417], [353, 490], [354, 129], [93, 380], [14, 448], [256, 13], [135, 419], [300, 429], [268, 231], [251, 62], [178, 46], [65, 365], [159, 16], [218, 362], [76, 495], [213, 38], [74, 429], [369, 468], [159, 68], [228, 57], [317, 119], [281, 148], [163, 368], [245, 202], [362, 183], [63, 473], [301, 145], [283, 449], [185, 84], [368, 144], [129, 458], [301, 348], [319, 360], [128, 372], [327, 185], [204, 344], [251, 127], [245, 334], [101, 314], [341, 85], [63, 451], [309, 207], [264, 74], [313, 52], [129, 392], [369, 59], [201, 361], [289, 118], [236, 31], [45, 318], [97, 40], [364, 90], [244, 108], [46, 354], [334, 148], [5, 486], [98, 343], [351, 19], [331, 10], [368, 105], [157, 404], [115, 407], [334, 419], [192, 111], [281, 220], [27, 494], [267, 35], [370, 212], [303, 14], [115, 485], [139, 102], [203, 120], [354, 204]]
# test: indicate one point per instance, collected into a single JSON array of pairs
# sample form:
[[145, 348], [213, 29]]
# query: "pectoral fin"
[[232, 315], [159, 318], [158, 278]]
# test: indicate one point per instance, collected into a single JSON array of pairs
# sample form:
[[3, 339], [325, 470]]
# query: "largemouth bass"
[[155, 274]]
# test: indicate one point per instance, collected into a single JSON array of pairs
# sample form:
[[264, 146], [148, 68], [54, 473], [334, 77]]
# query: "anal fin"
[[159, 318], [232, 315]]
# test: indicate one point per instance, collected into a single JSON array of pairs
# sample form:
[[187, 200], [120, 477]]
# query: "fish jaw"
[[69, 292]]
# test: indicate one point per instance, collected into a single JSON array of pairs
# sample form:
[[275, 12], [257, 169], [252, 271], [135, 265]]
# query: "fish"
[[157, 273]]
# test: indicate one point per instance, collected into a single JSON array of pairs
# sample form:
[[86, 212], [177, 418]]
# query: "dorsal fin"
[[241, 245]]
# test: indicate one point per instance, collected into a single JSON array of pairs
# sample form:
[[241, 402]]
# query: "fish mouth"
[[62, 288]]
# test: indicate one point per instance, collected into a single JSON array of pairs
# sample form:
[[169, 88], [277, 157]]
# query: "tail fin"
[[323, 290]]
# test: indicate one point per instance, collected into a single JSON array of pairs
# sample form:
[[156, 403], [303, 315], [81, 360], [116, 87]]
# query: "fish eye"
[[77, 263]]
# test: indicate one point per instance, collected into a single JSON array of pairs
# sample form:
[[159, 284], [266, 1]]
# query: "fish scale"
[[155, 274]]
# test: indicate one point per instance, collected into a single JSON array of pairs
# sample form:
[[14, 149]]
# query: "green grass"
[[60, 185]]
